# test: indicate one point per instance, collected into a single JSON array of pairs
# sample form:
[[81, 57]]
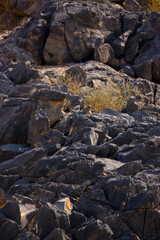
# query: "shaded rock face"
[[19, 8], [76, 29], [147, 49], [67, 172], [22, 8], [27, 110]]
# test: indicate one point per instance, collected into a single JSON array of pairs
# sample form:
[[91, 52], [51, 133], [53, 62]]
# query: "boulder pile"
[[67, 172]]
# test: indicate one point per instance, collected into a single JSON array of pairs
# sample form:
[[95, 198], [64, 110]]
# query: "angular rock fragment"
[[94, 229], [19, 73], [5, 84], [77, 219], [9, 230], [64, 205], [103, 53], [9, 151], [58, 234], [38, 125], [119, 44], [11, 211], [131, 168]]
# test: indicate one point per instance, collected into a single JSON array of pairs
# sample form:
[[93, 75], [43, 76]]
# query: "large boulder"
[[77, 28], [149, 51], [36, 35], [29, 111], [19, 73]]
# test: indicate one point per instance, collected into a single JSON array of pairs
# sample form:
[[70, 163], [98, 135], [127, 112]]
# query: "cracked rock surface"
[[67, 172]]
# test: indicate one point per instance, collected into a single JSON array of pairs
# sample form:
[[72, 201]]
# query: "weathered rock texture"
[[63, 32], [68, 173]]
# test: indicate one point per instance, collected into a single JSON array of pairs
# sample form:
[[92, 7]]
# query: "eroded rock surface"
[[67, 172]]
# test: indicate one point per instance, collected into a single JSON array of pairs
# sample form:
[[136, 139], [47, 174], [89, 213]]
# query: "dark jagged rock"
[[77, 219], [11, 211], [93, 229], [9, 151], [131, 168], [66, 171], [9, 229], [19, 73], [58, 234]]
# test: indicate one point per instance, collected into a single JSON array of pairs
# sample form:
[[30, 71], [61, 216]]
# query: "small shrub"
[[154, 5], [73, 84], [112, 96]]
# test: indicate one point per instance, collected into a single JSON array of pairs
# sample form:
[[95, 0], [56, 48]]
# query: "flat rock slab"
[[110, 164]]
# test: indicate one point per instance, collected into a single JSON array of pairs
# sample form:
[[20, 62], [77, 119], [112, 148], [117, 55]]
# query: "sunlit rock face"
[[76, 29], [71, 168]]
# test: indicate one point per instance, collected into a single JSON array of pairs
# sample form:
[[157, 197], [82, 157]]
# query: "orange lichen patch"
[[64, 205], [68, 205], [2, 204]]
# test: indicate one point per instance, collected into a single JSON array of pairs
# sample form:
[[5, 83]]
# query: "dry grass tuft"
[[73, 83], [154, 5], [111, 96]]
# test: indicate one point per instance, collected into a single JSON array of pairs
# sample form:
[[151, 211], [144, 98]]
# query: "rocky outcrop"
[[12, 12], [83, 31], [66, 171], [91, 175], [32, 108], [76, 29]]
